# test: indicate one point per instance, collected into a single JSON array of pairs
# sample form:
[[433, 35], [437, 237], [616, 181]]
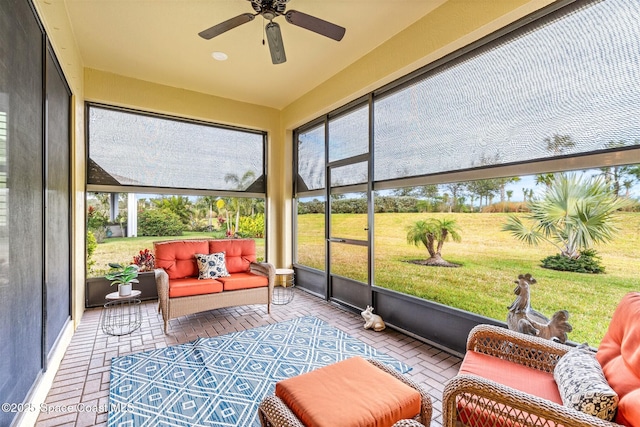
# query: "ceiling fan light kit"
[[269, 10]]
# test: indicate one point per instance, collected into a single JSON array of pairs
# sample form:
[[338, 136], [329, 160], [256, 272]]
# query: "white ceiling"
[[157, 41]]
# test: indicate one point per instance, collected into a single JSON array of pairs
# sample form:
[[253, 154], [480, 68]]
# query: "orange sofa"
[[181, 292], [511, 379]]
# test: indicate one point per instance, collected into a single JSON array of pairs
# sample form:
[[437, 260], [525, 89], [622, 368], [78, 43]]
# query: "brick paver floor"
[[83, 377]]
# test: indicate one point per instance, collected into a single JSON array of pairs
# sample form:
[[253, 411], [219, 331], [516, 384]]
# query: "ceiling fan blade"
[[316, 25], [276, 47], [225, 26]]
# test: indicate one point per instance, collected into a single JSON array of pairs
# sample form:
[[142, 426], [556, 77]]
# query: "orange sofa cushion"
[[510, 374], [177, 257], [349, 393], [243, 281], [193, 286], [239, 253], [619, 356]]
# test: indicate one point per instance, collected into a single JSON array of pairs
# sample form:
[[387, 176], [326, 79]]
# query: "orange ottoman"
[[351, 393]]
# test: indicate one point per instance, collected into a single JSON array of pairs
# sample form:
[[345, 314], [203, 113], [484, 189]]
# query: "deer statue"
[[524, 319], [372, 320]]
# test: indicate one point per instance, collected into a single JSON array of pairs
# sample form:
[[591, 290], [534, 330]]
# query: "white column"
[[113, 206], [132, 215]]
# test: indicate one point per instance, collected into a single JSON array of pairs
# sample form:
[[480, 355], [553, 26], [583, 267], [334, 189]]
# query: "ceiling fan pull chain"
[[263, 31]]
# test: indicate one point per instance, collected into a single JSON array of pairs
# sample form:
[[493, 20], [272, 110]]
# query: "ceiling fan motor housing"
[[263, 7]]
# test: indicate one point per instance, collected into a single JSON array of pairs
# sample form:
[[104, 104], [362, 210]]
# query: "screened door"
[[348, 203]]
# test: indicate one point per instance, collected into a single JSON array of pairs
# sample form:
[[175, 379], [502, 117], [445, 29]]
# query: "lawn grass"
[[490, 263]]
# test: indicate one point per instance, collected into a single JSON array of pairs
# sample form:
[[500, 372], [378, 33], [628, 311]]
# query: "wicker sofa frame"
[[273, 412], [505, 405]]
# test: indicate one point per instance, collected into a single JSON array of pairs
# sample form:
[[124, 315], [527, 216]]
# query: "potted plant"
[[97, 287], [123, 277]]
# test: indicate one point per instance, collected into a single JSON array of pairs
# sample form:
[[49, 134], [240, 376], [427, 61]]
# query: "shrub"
[[252, 226], [313, 207], [589, 262], [396, 204], [92, 244], [506, 207], [159, 222], [352, 206]]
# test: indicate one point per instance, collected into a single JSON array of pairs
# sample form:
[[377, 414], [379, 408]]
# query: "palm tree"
[[509, 195], [573, 215], [432, 233], [546, 179], [205, 204], [241, 184]]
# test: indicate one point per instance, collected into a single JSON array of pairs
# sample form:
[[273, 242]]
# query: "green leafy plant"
[[122, 275], [92, 244], [97, 223], [589, 262]]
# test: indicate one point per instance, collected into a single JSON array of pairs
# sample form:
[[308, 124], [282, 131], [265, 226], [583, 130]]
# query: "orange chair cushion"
[[193, 286], [619, 356], [177, 257], [510, 374], [239, 253], [349, 393], [243, 281]]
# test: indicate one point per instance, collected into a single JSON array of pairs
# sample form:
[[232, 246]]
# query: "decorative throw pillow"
[[211, 266], [582, 385]]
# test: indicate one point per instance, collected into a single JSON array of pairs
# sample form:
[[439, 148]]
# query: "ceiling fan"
[[271, 9]]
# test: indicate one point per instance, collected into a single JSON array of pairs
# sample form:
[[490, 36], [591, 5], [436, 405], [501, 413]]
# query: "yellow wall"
[[453, 25]]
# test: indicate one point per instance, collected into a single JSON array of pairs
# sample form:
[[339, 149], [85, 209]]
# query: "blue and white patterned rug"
[[220, 381]]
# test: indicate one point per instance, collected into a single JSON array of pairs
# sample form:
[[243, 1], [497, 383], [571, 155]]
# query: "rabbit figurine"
[[372, 320]]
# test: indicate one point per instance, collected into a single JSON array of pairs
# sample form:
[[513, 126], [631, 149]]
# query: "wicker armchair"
[[273, 412], [479, 401]]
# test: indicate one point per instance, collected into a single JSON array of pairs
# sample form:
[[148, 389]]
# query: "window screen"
[[352, 174], [349, 134], [311, 164], [566, 87], [133, 149]]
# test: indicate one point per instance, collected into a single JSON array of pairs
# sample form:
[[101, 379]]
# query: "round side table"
[[121, 315], [283, 288]]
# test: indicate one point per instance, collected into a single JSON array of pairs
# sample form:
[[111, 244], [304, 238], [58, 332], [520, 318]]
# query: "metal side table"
[[121, 315], [283, 288]]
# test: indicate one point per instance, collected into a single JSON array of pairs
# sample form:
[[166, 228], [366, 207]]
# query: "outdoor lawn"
[[490, 261]]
